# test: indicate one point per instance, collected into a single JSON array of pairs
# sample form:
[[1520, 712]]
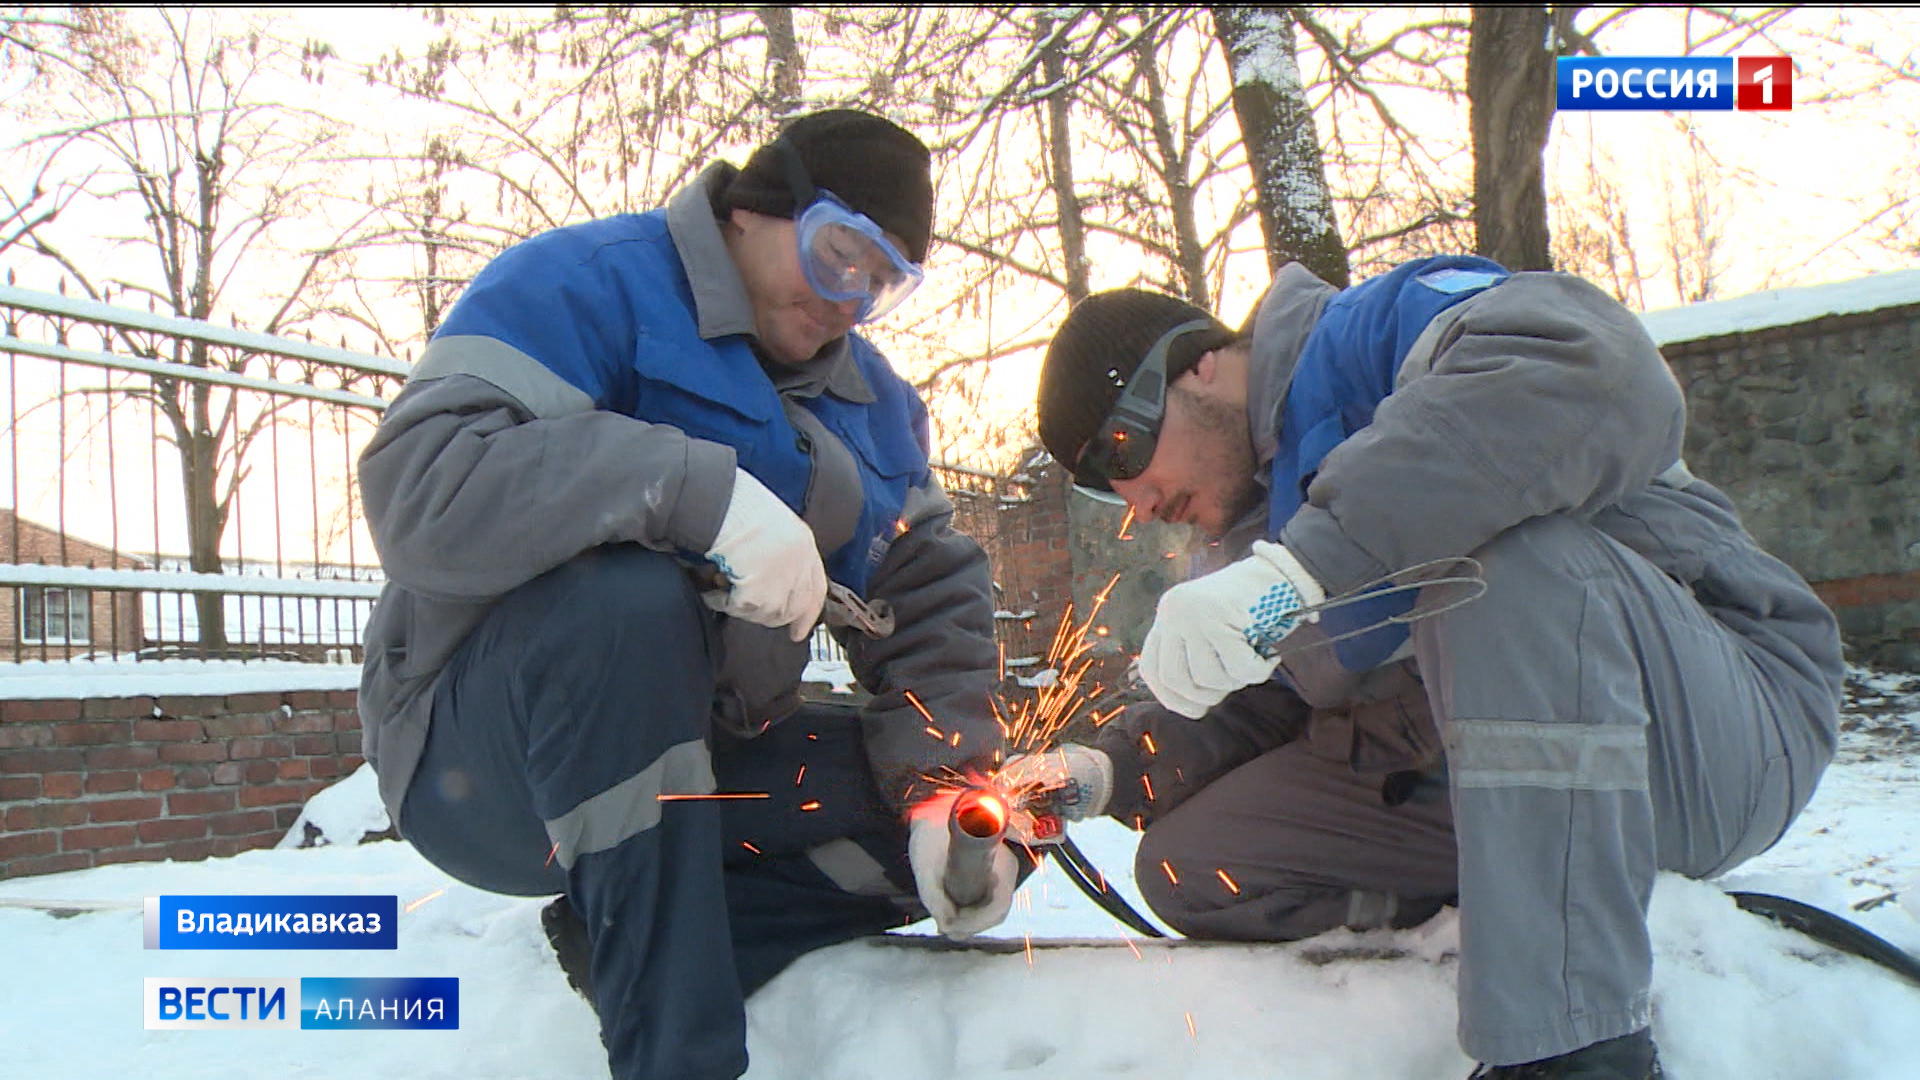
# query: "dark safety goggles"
[[1123, 445], [844, 254]]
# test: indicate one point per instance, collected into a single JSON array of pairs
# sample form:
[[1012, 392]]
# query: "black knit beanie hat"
[[1096, 351], [874, 165]]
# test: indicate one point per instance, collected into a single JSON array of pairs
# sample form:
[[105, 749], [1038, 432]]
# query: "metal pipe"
[[974, 829]]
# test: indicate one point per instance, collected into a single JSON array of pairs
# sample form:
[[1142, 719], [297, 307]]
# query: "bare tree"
[[1510, 76], [179, 132], [1695, 223], [1592, 234], [1059, 140], [1276, 124]]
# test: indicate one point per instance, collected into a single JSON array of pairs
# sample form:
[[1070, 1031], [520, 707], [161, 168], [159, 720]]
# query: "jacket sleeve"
[[471, 488], [941, 650], [1545, 396], [1160, 758]]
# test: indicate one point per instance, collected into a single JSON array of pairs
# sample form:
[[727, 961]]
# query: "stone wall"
[[1813, 430], [88, 782]]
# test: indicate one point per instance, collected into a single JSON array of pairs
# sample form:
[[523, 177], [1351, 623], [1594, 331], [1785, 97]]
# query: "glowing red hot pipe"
[[974, 829]]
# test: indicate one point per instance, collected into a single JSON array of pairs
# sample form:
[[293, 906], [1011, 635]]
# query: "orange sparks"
[[811, 737], [938, 735], [920, 707], [1139, 823], [714, 796], [955, 741], [552, 851], [1147, 783], [1146, 741], [1168, 867], [748, 844], [1125, 524], [1135, 949], [434, 895], [810, 805], [799, 776], [1192, 1032], [1029, 938], [1228, 881]]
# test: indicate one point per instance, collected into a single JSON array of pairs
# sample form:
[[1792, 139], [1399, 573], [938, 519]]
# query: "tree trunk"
[[1174, 162], [1276, 125], [785, 65], [1073, 234], [1510, 72], [199, 453]]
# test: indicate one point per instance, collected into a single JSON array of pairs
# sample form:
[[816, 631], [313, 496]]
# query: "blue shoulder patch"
[[1451, 280]]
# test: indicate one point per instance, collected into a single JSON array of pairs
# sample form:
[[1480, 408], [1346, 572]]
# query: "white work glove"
[[770, 561], [1069, 781], [1220, 632], [927, 840]]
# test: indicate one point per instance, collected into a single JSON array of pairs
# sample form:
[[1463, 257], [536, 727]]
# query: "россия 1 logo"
[[1747, 83]]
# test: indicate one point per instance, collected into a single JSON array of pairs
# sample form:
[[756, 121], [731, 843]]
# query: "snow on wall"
[[1782, 307], [60, 680]]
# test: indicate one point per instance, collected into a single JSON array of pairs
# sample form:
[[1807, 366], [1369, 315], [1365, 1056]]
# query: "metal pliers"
[[844, 609]]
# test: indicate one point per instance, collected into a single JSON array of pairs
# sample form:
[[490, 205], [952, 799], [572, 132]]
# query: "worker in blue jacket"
[[611, 501]]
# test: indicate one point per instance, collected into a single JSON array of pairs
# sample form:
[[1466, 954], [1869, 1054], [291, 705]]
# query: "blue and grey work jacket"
[[599, 384]]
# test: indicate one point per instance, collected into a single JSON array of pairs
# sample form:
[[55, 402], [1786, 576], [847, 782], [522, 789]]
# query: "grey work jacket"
[[1539, 396]]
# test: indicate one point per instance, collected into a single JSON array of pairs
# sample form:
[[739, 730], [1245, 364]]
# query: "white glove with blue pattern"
[[1222, 631]]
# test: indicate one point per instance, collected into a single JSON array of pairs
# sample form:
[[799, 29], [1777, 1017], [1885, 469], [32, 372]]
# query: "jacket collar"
[[1279, 330], [720, 304]]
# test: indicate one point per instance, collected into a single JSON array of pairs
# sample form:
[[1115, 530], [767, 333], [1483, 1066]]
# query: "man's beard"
[[1229, 454]]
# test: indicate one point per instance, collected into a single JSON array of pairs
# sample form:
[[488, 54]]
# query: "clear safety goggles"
[[846, 256], [843, 253]]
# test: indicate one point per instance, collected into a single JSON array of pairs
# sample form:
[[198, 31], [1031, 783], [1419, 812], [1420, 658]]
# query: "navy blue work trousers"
[[578, 703]]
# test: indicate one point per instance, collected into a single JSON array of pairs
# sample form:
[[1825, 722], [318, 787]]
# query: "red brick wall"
[[108, 780], [1022, 524], [1869, 589], [1033, 558]]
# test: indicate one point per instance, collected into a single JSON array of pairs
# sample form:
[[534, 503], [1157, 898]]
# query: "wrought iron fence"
[[177, 489], [180, 490]]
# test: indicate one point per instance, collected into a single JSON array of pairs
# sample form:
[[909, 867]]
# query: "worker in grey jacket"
[[1638, 688], [612, 502]]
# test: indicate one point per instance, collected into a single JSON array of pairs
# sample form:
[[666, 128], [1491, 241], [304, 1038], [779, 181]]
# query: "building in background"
[[60, 622]]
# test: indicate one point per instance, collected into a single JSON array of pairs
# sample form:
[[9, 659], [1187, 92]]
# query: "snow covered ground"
[[1735, 996]]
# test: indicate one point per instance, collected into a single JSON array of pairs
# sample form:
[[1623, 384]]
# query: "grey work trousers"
[[1598, 723]]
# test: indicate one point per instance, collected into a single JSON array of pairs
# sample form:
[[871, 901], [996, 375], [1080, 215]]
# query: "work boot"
[[568, 936], [1629, 1057]]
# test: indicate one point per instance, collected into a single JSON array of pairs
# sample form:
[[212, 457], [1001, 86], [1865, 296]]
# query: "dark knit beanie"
[[1096, 351], [872, 164]]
